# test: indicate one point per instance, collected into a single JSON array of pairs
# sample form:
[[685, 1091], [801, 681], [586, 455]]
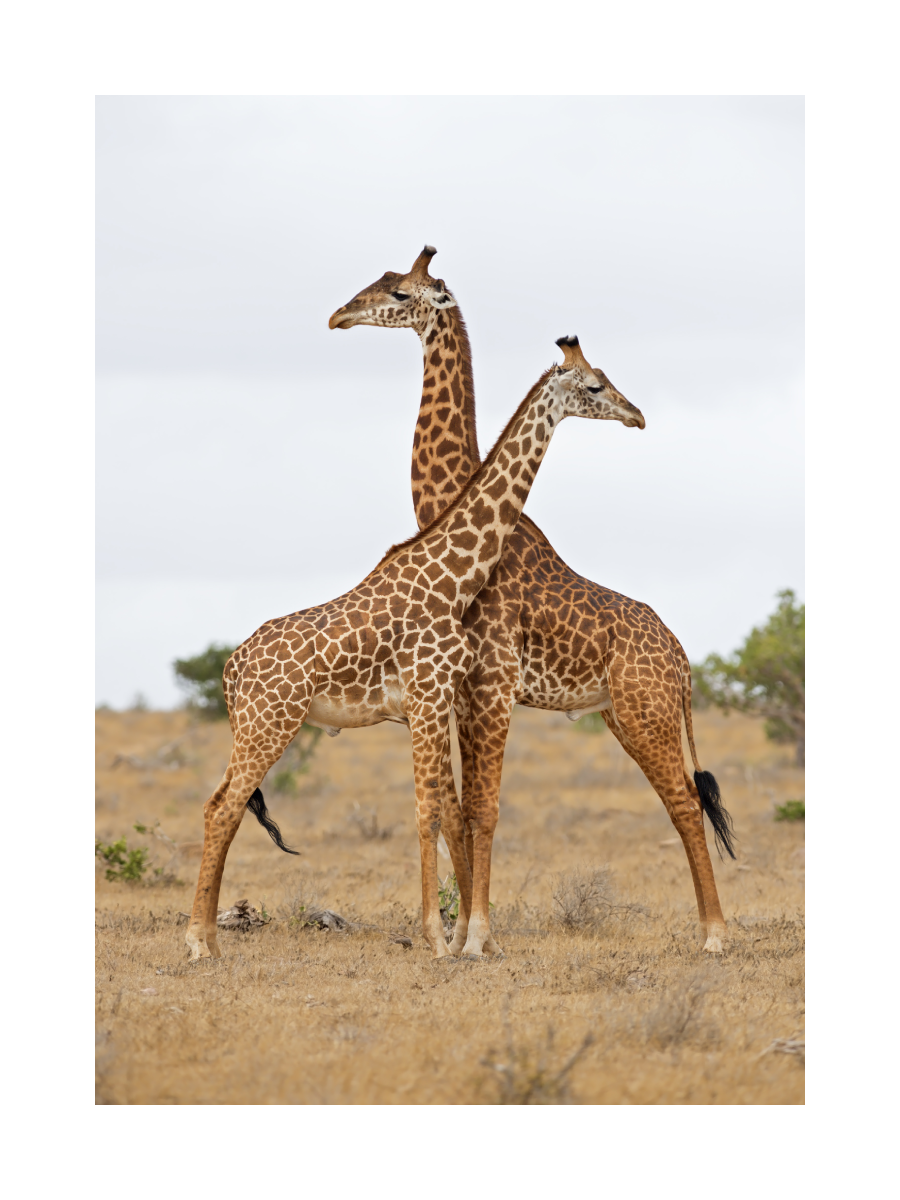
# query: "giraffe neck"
[[458, 551], [445, 445]]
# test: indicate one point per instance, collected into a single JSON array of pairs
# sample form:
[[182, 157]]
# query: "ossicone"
[[420, 266], [572, 355]]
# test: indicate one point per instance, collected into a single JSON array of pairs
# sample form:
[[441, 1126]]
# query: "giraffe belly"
[[332, 710], [559, 695]]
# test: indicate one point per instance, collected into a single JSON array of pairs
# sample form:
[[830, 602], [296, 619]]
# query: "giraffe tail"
[[257, 806], [705, 781]]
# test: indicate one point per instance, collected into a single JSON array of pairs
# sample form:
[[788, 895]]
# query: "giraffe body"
[[393, 648], [542, 635]]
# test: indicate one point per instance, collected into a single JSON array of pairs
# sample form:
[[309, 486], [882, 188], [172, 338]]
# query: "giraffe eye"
[[401, 296], [596, 389]]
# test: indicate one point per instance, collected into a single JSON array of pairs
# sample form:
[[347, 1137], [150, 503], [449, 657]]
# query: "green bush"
[[765, 677], [791, 810], [201, 677], [122, 863]]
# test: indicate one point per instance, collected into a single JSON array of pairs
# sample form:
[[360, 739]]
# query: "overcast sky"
[[252, 462]]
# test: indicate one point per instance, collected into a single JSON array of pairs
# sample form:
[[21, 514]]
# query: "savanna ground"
[[603, 996]]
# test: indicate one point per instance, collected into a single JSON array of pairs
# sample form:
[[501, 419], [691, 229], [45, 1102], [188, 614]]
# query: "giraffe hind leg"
[[251, 758], [222, 815], [658, 753]]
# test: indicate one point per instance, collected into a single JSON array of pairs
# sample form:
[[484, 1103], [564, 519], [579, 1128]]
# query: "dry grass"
[[603, 996]]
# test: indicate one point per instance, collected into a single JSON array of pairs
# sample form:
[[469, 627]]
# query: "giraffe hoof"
[[197, 947], [713, 944], [472, 953]]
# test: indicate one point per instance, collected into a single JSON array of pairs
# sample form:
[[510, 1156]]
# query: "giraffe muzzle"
[[341, 320], [633, 418]]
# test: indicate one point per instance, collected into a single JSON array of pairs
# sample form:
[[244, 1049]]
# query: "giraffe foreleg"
[[453, 829], [463, 710], [430, 732], [490, 712]]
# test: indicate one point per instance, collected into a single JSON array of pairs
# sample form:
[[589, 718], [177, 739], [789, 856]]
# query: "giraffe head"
[[584, 391], [397, 301]]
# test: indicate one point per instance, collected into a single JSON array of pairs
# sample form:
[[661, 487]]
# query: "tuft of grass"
[[302, 898], [791, 810]]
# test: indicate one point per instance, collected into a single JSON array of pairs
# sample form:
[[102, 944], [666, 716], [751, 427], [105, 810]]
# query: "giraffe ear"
[[440, 297]]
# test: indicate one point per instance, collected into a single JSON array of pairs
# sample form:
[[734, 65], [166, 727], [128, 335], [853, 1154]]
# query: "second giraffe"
[[543, 636]]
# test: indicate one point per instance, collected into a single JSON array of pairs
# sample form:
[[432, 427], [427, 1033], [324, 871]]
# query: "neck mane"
[[445, 445]]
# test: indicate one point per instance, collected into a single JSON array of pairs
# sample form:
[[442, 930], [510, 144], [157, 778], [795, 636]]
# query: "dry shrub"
[[679, 1016], [533, 1073], [582, 898], [366, 821]]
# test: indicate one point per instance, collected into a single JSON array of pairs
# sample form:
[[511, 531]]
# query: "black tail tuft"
[[257, 806], [711, 799]]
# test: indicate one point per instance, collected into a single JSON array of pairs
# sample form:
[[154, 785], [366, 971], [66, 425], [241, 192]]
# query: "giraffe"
[[392, 648], [543, 636]]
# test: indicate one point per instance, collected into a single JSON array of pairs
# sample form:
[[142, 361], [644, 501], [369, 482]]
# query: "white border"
[[57, 58]]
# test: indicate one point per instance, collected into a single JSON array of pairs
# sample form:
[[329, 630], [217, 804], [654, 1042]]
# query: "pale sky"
[[252, 462]]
